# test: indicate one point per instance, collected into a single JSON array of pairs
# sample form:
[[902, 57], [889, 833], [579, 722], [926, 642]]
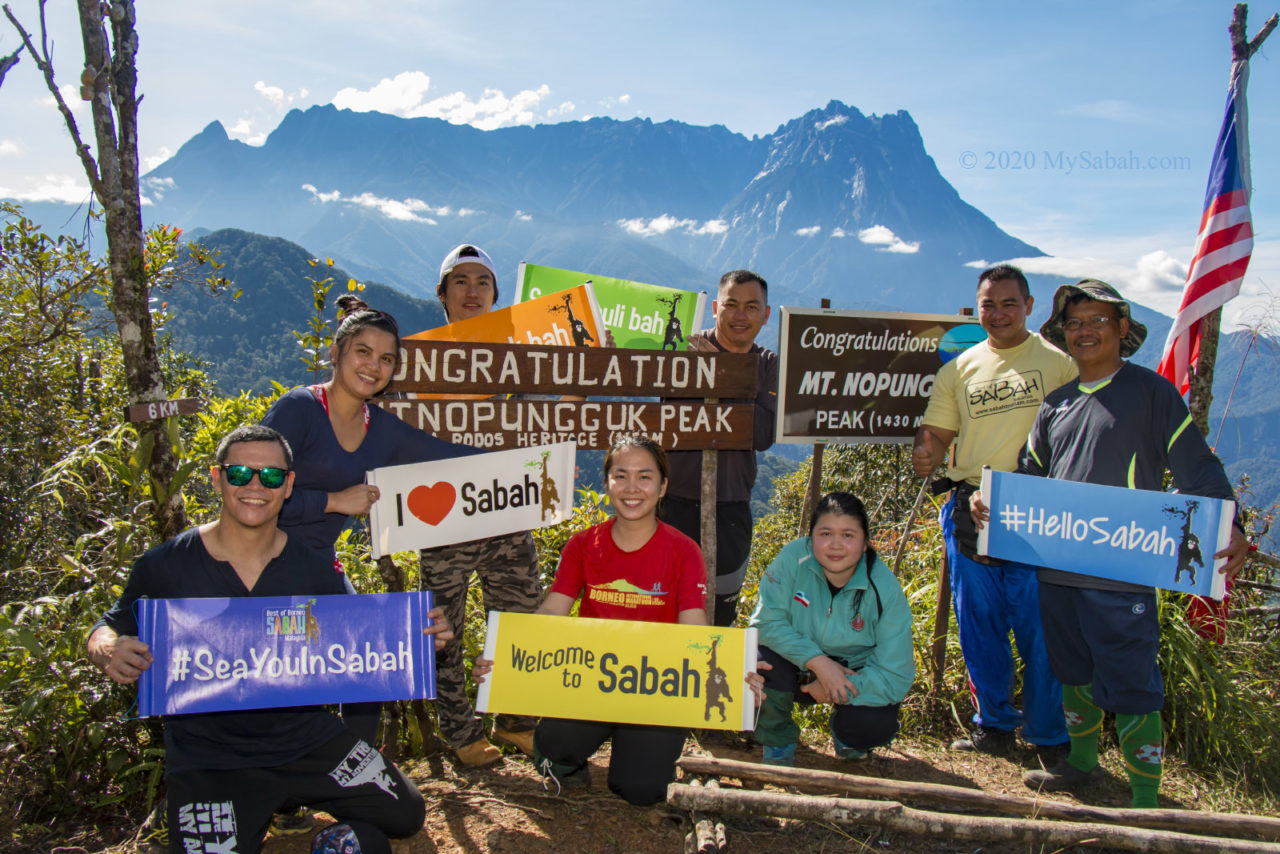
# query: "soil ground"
[[504, 808]]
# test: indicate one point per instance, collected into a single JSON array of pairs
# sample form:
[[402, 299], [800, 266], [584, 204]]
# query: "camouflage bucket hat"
[[1052, 332]]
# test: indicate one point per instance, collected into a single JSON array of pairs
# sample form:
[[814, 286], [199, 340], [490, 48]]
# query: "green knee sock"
[[775, 728], [1142, 743], [1084, 724]]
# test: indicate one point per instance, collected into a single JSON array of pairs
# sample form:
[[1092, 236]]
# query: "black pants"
[[863, 727], [215, 810], [733, 545], [642, 762]]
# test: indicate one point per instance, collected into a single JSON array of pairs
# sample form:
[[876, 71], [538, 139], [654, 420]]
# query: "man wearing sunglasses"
[[229, 772], [1119, 424]]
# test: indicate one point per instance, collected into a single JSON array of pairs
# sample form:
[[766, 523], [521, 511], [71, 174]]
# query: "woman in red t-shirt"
[[635, 548]]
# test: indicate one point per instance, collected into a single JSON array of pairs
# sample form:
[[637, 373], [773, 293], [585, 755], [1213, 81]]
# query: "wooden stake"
[[852, 784], [895, 816]]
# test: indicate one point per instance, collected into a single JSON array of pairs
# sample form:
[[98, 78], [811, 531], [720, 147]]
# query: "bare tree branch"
[[44, 63]]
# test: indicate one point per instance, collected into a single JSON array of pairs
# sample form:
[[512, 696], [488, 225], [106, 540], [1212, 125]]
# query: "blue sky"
[[993, 86]]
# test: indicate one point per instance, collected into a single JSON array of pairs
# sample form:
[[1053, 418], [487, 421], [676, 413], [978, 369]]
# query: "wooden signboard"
[[161, 409], [451, 367]]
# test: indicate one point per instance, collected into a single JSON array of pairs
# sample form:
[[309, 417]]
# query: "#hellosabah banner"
[[216, 655], [641, 316], [438, 503], [1157, 539], [619, 671]]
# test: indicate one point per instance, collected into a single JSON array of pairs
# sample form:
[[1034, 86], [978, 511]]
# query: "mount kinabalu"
[[669, 203]]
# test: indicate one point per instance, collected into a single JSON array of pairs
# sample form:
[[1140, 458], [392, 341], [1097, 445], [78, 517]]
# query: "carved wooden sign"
[[591, 424], [161, 409], [455, 368]]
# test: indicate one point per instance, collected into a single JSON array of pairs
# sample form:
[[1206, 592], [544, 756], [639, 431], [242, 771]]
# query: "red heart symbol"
[[432, 503]]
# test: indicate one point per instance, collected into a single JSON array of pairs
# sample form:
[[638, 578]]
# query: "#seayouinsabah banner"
[[216, 655], [1156, 539], [641, 316]]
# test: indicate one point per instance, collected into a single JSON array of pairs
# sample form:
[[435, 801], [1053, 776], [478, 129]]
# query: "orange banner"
[[569, 318]]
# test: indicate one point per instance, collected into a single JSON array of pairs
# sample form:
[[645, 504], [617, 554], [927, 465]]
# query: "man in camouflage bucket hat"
[[1122, 425]]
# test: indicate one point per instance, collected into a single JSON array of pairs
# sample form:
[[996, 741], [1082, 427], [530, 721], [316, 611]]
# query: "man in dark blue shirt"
[[228, 772]]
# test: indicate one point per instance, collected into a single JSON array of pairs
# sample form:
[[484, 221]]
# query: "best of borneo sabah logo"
[[432, 503]]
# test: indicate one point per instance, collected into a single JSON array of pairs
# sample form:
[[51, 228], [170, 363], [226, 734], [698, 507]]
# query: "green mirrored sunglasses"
[[269, 476]]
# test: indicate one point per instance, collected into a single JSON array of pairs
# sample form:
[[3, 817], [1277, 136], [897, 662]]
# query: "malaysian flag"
[[1225, 242]]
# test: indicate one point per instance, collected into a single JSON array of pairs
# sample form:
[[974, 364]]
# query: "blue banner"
[[1156, 539], [214, 655]]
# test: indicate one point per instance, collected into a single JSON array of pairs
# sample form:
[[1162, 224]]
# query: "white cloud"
[[523, 217], [839, 232], [152, 161], [977, 265], [610, 101], [810, 231], [52, 188], [563, 110], [836, 120], [882, 236], [403, 210], [155, 188], [277, 96], [9, 148], [1109, 109], [243, 131], [70, 95], [404, 94], [666, 223], [1155, 279]]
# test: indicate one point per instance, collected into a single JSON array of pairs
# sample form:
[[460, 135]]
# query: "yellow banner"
[[619, 671]]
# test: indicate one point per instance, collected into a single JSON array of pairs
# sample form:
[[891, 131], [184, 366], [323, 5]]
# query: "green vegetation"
[[75, 508]]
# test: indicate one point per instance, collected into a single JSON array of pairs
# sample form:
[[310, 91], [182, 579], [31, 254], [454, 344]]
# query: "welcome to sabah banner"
[[619, 671], [641, 316], [422, 505], [217, 655], [1157, 539]]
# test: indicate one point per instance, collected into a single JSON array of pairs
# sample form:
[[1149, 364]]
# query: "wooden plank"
[[592, 424], [455, 367], [155, 409]]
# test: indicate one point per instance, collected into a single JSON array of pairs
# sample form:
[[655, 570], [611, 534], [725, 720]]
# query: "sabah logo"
[[1139, 608], [1074, 719], [432, 503], [292, 624], [1149, 753], [801, 598]]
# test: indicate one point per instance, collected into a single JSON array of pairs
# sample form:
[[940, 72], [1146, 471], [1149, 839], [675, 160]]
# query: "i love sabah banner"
[[641, 316], [1157, 539], [216, 655], [439, 503], [619, 670]]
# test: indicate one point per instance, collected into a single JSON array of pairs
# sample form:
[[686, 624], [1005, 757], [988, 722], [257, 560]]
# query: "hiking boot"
[[844, 751], [559, 775], [995, 742], [1061, 777], [1049, 755], [478, 753], [521, 739], [784, 755], [289, 823]]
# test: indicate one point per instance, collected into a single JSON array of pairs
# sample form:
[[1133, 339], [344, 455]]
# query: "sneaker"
[[784, 755], [521, 739], [844, 751], [564, 780], [1061, 777], [478, 753], [335, 839], [996, 742], [289, 823]]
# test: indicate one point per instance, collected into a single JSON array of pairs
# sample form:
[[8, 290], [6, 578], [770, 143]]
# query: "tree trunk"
[[1200, 392], [895, 816], [110, 81], [852, 784]]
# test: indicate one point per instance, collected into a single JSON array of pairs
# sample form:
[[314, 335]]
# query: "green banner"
[[641, 316]]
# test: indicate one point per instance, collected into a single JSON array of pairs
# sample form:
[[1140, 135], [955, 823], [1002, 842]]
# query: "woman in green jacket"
[[836, 627]]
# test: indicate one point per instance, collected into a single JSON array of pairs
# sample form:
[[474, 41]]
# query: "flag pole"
[[1201, 380]]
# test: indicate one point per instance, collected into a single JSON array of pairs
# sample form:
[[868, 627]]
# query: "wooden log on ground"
[[1233, 824], [895, 816]]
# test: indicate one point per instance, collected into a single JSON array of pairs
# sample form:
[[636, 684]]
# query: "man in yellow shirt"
[[986, 400]]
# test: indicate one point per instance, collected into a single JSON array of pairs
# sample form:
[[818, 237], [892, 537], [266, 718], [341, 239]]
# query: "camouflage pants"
[[508, 570]]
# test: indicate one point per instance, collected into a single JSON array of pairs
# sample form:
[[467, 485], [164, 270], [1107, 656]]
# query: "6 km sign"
[[853, 376]]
